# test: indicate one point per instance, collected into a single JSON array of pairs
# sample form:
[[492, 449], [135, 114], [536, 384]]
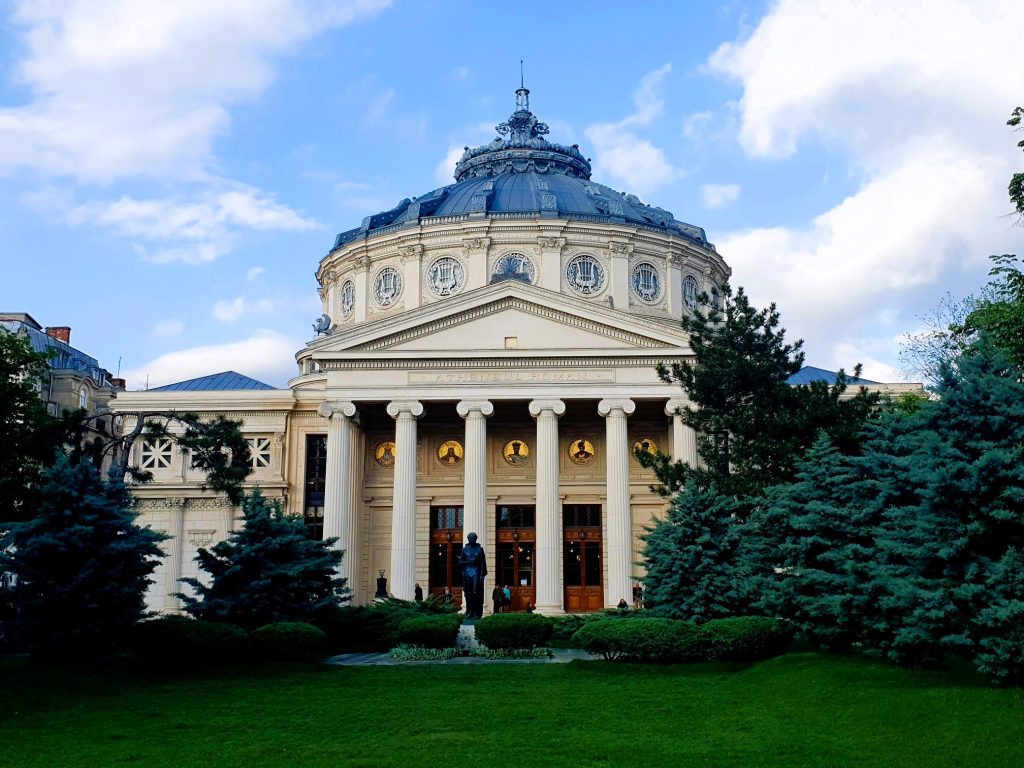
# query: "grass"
[[798, 710]]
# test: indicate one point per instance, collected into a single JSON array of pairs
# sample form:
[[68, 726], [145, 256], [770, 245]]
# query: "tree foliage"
[[1016, 188], [78, 569], [268, 571]]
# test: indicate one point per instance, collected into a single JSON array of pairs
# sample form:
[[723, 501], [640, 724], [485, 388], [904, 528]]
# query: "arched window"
[[690, 291], [83, 397]]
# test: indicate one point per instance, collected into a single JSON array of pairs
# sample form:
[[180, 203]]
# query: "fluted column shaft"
[[338, 511], [618, 520], [549, 520], [476, 413], [175, 555], [403, 514], [684, 437]]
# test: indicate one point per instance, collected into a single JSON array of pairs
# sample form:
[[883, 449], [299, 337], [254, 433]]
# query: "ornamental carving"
[[410, 252], [622, 248], [477, 243], [581, 451], [201, 538], [644, 445], [384, 453], [551, 242], [362, 262]]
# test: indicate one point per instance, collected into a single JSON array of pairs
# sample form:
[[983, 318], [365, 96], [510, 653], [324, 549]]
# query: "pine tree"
[[80, 566], [696, 564], [268, 571]]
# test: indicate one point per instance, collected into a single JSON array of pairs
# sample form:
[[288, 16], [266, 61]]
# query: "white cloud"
[[168, 328], [266, 355], [253, 273], [193, 232], [718, 195], [916, 95], [444, 171], [622, 154], [231, 310], [119, 90]]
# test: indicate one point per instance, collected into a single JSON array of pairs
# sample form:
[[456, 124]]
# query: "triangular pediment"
[[507, 317]]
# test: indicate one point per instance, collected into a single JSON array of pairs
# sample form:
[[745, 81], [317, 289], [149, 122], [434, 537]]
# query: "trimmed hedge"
[[180, 639], [508, 631], [289, 641], [746, 638], [375, 627], [653, 640], [429, 631]]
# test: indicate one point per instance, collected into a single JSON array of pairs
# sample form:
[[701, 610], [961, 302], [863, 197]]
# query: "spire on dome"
[[522, 93]]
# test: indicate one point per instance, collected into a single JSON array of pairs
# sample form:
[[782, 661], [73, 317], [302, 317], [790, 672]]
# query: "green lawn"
[[799, 710]]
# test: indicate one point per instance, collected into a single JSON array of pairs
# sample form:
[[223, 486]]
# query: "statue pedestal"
[[466, 639]]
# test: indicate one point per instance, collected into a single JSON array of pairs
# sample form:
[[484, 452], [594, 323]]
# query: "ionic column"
[[175, 553], [403, 513], [549, 522], [476, 413], [619, 538], [684, 437], [337, 493]]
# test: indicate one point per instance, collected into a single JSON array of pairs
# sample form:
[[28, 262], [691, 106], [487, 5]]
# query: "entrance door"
[[445, 548], [517, 534], [581, 558]]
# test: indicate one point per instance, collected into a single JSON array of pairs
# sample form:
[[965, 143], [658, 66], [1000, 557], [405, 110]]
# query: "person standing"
[[506, 598], [497, 597], [638, 596], [417, 594]]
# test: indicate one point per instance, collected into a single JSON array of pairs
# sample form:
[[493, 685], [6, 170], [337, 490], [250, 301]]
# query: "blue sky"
[[171, 173]]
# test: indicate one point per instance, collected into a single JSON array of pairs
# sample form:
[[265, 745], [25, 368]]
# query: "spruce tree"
[[80, 565], [696, 564], [268, 571]]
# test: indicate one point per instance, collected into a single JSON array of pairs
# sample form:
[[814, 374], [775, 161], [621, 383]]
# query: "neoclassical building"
[[485, 362]]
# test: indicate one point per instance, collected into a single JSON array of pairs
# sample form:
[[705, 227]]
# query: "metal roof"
[[809, 374], [64, 356], [215, 382]]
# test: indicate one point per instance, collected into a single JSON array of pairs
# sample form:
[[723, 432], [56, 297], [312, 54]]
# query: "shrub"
[[660, 640], [745, 638], [289, 641], [181, 640], [434, 631], [506, 631], [419, 653], [375, 627]]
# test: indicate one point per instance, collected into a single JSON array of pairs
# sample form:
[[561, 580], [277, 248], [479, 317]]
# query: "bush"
[[375, 627], [659, 640], [507, 631], [745, 638], [419, 653], [181, 640], [437, 631], [289, 641]]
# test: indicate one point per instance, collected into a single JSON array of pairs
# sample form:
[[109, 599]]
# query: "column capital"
[[624, 404], [538, 406], [466, 407], [413, 407], [676, 405], [333, 408]]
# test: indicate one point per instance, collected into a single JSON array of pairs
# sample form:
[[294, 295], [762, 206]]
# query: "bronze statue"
[[473, 562]]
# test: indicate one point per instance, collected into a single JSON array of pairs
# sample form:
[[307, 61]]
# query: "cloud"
[[253, 273], [266, 355], [230, 310], [119, 91], [923, 135], [718, 195], [622, 154], [168, 328], [444, 171], [193, 232]]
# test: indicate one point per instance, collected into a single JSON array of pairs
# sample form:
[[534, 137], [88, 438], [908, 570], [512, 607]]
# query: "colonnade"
[[339, 512]]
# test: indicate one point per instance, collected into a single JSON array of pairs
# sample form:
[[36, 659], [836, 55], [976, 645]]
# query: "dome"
[[522, 174]]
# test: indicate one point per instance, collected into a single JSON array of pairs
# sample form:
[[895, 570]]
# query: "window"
[[690, 291], [315, 485], [517, 517], [581, 516], [157, 453], [387, 286], [585, 275], [646, 282], [259, 452], [83, 397], [446, 518], [446, 276]]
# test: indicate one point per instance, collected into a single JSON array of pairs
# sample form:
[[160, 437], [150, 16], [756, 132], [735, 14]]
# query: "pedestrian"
[[623, 605], [417, 593], [506, 598], [497, 597], [638, 596], [447, 598]]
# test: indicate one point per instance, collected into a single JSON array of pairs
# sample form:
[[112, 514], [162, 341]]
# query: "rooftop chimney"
[[118, 383], [60, 333]]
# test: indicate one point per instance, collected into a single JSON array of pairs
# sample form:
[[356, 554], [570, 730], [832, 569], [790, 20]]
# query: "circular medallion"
[[446, 276], [384, 453], [450, 453], [517, 266], [690, 291], [387, 286], [647, 282], [348, 298], [645, 445], [516, 452], [585, 275], [581, 451]]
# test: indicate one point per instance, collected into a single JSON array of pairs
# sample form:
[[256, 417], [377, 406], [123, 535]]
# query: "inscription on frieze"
[[516, 377]]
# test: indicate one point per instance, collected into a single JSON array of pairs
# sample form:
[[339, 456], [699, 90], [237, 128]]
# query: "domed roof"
[[520, 174]]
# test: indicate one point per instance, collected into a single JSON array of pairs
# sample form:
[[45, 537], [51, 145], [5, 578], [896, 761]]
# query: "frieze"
[[201, 537], [620, 248], [514, 376], [541, 362]]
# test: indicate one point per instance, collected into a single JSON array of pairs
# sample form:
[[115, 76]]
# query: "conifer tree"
[[268, 571], [80, 565]]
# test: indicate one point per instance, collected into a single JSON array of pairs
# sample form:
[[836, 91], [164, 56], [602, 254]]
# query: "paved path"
[[561, 656]]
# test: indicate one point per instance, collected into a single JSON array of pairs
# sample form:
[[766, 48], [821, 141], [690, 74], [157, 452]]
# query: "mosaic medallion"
[[581, 451], [384, 453], [450, 453], [516, 452], [644, 445]]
